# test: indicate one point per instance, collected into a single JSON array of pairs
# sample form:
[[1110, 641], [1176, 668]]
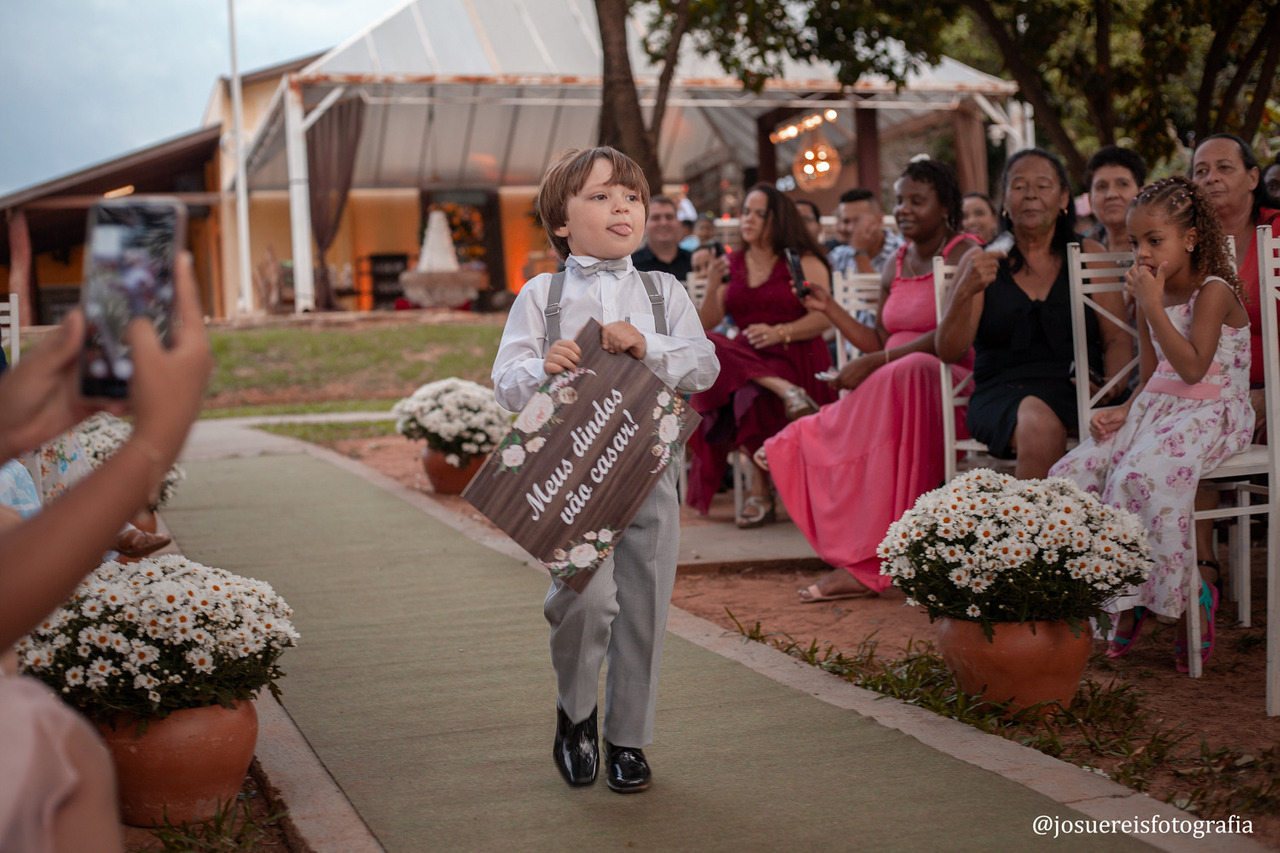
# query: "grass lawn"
[[290, 370]]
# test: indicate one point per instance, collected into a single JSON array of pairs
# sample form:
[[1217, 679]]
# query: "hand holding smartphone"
[[131, 247], [1002, 243], [798, 283]]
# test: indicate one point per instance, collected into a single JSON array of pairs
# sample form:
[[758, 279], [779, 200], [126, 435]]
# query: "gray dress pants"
[[621, 618]]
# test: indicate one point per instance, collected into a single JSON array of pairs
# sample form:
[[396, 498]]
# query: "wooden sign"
[[581, 458]]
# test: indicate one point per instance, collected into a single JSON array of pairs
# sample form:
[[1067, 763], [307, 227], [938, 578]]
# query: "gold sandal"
[[756, 512], [798, 403]]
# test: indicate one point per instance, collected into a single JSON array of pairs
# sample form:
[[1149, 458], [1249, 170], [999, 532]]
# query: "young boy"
[[593, 205]]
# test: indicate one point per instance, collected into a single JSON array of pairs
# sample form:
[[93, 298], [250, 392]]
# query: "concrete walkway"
[[419, 705]]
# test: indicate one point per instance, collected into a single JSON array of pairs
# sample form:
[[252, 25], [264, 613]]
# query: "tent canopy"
[[485, 93]]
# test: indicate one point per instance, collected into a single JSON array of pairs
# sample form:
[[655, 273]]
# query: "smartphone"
[[131, 247], [798, 284], [1002, 243]]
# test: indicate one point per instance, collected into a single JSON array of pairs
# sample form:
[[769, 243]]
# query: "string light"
[[805, 124], [817, 163]]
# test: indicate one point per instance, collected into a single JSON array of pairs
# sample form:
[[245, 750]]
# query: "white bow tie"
[[615, 265]]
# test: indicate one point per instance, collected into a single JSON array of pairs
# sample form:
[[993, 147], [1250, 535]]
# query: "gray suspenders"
[[552, 311]]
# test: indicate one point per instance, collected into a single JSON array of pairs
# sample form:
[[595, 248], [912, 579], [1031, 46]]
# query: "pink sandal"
[[1122, 644]]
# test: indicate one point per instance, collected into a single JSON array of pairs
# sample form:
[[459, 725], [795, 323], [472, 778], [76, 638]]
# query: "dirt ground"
[[1225, 706]]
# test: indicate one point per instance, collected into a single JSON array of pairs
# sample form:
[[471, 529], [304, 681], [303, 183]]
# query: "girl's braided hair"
[[1187, 206]]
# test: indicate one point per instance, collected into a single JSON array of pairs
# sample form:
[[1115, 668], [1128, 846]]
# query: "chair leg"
[[1240, 542], [743, 479], [1195, 666]]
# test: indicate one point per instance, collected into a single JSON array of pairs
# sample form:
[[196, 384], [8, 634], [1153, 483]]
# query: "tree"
[[1158, 72], [750, 38], [621, 120]]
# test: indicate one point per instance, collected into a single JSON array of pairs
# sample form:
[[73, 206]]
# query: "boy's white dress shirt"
[[683, 358]]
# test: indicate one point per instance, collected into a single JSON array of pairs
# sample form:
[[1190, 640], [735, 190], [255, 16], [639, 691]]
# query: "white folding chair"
[[1235, 477], [1268, 242], [696, 285], [854, 292], [9, 327], [956, 396], [1091, 273]]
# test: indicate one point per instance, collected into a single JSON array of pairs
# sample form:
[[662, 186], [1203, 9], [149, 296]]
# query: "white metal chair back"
[[854, 292], [1091, 273], [953, 397], [9, 326], [1268, 242], [696, 285], [1235, 477]]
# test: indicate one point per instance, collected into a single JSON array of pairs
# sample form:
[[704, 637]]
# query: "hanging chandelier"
[[817, 163]]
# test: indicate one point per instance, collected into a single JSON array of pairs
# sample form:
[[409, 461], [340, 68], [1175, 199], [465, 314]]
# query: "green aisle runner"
[[422, 682]]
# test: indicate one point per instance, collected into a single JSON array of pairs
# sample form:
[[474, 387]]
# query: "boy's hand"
[[622, 337], [563, 355]]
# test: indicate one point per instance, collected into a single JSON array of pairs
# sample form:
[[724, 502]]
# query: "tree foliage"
[[751, 39], [1154, 74]]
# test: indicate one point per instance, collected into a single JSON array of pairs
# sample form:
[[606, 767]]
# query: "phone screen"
[[130, 249], [798, 283]]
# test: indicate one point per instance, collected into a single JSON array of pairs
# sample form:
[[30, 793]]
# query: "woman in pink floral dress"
[[1193, 411]]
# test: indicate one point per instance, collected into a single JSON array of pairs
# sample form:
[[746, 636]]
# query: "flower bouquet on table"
[[103, 434], [160, 635], [989, 548], [456, 417]]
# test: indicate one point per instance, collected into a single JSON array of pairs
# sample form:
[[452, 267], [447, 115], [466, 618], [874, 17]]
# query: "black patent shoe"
[[627, 771], [576, 752]]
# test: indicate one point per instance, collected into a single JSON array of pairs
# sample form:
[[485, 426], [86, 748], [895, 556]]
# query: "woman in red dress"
[[767, 370]]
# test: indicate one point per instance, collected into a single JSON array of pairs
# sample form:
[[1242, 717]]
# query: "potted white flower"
[[102, 434], [461, 423], [995, 558], [166, 655]]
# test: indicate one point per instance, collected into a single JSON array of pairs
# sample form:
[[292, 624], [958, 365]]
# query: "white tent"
[[485, 93]]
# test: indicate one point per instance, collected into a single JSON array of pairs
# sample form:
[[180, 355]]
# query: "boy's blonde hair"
[[567, 177]]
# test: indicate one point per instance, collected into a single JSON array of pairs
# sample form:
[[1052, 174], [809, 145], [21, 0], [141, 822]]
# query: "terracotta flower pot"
[[447, 479], [184, 767], [1023, 664]]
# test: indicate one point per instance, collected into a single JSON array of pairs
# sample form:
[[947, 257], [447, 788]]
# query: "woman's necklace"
[[922, 256], [759, 266]]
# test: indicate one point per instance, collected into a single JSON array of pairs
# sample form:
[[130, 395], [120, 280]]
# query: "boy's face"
[[603, 221]]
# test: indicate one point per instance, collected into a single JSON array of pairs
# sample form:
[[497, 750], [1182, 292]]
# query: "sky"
[[86, 81]]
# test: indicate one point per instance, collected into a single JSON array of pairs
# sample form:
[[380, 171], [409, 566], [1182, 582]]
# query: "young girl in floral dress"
[[1193, 408]]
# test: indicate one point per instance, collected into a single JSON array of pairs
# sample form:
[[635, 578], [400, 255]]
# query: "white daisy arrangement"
[[990, 548], [158, 635], [456, 417], [103, 434]]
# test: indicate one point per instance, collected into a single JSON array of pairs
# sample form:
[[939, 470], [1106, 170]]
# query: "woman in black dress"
[[1015, 311]]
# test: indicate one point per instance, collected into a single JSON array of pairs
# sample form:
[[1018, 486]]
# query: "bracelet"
[[887, 358], [785, 334]]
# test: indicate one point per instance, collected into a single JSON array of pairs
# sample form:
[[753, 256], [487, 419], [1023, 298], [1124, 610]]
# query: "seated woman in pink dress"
[[848, 472], [767, 371]]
